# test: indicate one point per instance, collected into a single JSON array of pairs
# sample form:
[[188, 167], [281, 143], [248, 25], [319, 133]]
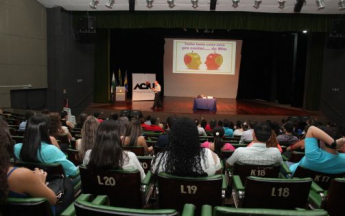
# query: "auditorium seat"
[[124, 187], [26, 206], [273, 193], [74, 157], [229, 211], [334, 200], [145, 162], [157, 149], [137, 150], [322, 179], [100, 207], [174, 191]]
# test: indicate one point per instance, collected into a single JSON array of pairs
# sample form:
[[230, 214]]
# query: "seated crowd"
[[191, 148]]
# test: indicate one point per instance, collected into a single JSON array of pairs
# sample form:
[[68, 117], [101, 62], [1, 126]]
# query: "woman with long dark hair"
[[133, 136], [37, 146], [217, 146], [184, 156], [107, 152]]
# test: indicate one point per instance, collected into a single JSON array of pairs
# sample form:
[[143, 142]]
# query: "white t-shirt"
[[132, 163], [208, 165]]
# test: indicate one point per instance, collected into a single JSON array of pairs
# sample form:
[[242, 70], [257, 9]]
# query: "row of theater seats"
[[272, 190]]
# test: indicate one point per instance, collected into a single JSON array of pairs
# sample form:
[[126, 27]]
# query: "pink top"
[[226, 146]]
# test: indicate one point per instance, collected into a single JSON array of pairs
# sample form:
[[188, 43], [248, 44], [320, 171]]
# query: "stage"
[[231, 109]]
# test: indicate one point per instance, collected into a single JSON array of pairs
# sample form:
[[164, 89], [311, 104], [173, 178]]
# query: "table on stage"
[[205, 104]]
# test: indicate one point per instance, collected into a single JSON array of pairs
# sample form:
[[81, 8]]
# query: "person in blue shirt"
[[324, 158], [228, 131]]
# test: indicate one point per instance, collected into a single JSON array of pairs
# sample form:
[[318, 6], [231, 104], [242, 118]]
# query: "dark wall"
[[70, 64], [333, 91]]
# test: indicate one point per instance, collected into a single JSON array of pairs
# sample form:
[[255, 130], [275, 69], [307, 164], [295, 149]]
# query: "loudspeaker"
[[298, 6], [131, 5], [213, 4], [136, 114], [125, 113]]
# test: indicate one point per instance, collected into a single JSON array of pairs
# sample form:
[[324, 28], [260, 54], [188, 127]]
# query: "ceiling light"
[[320, 4], [257, 4], [195, 3], [149, 3], [341, 4], [110, 4], [281, 4], [235, 3], [171, 3], [93, 4]]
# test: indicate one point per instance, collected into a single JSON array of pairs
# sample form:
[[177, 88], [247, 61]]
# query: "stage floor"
[[226, 108]]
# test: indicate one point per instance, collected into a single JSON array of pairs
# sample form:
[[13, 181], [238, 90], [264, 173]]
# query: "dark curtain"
[[136, 51]]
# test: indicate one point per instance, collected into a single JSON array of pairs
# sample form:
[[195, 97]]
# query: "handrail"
[[332, 107], [82, 99]]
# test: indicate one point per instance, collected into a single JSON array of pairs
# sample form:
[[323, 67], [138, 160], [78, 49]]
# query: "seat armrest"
[[237, 183], [188, 210], [286, 171], [316, 196], [75, 175], [70, 211], [285, 158], [147, 178], [101, 200], [206, 210]]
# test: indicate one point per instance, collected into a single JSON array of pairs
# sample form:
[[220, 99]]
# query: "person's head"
[[288, 127], [213, 123], [107, 152], [218, 134], [55, 124], [122, 125], [63, 114], [96, 114], [5, 138], [170, 121], [156, 82], [220, 123], [262, 132], [134, 130], [28, 114], [231, 125], [36, 132], [252, 124], [239, 125], [82, 118], [183, 151], [203, 123], [114, 116], [88, 135], [45, 111], [196, 121], [148, 118], [226, 123], [153, 120]]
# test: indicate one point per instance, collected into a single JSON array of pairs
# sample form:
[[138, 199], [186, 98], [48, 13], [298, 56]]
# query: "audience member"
[[88, 136], [247, 136], [96, 115], [82, 119], [148, 120], [209, 127], [259, 153], [183, 156], [122, 123], [45, 111], [239, 129], [228, 132], [28, 115], [133, 136], [203, 123], [114, 116], [37, 146], [64, 120], [287, 138], [153, 126], [56, 130], [220, 123], [201, 130], [217, 146], [322, 157], [163, 139], [107, 152], [271, 142], [159, 123]]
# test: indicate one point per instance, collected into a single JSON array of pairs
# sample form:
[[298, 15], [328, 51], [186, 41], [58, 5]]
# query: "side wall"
[[23, 46]]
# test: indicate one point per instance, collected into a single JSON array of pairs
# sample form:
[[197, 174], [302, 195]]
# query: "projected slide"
[[204, 57]]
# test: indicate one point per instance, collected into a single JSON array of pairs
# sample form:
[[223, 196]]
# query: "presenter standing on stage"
[[157, 102]]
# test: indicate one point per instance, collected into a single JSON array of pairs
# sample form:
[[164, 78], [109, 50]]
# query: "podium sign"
[[120, 93]]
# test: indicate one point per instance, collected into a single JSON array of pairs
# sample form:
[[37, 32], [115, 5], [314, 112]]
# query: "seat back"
[[296, 156], [225, 154], [74, 156], [26, 206], [121, 186], [228, 211], [51, 169], [88, 208], [157, 149], [322, 179], [335, 197], [176, 191], [145, 162], [137, 150], [64, 142], [245, 170], [276, 193]]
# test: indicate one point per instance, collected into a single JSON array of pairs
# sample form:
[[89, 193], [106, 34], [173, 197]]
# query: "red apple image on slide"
[[192, 60], [214, 61]]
